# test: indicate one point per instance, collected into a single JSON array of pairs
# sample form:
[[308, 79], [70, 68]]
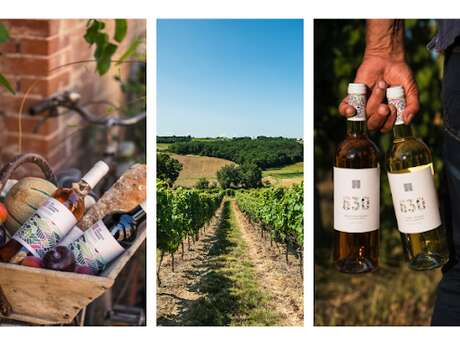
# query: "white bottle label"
[[47, 226], [415, 200], [400, 105], [71, 237], [96, 248], [356, 199], [359, 103]]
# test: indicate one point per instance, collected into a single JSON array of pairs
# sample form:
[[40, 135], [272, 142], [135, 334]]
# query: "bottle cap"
[[96, 173], [357, 89], [395, 92]]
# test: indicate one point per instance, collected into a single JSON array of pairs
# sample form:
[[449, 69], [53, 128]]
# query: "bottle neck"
[[356, 128], [82, 188], [402, 131], [138, 214]]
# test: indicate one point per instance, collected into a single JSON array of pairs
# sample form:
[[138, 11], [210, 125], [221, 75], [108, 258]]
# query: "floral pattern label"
[[356, 199], [415, 200], [359, 103], [400, 105], [96, 248], [72, 236], [48, 225]]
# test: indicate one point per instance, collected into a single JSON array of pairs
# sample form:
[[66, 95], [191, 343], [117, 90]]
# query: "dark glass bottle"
[[106, 239]]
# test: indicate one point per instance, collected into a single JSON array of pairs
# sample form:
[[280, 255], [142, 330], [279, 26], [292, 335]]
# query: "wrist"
[[385, 39]]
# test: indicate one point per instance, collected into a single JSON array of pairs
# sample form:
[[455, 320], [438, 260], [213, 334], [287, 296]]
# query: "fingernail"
[[382, 84], [350, 111]]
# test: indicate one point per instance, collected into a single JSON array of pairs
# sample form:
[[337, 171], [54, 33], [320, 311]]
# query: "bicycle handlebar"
[[70, 100]]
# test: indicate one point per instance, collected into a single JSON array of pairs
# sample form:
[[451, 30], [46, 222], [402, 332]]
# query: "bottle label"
[[356, 199], [359, 103], [400, 105], [96, 248], [415, 200], [47, 226], [71, 237]]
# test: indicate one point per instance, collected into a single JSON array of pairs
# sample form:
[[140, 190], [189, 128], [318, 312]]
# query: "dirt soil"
[[178, 289], [281, 280], [195, 167]]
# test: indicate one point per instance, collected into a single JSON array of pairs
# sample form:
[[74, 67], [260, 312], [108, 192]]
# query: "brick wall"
[[32, 57]]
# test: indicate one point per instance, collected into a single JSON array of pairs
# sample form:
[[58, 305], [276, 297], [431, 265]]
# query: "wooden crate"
[[45, 297]]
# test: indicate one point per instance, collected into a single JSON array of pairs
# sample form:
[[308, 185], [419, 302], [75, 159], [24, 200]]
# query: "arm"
[[384, 65]]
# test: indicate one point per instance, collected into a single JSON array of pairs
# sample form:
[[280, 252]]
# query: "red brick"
[[10, 47], [45, 87], [33, 27], [25, 65], [10, 104], [38, 46], [29, 123]]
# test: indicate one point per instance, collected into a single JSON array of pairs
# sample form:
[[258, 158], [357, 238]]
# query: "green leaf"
[[121, 28], [103, 64], [130, 50], [6, 84], [4, 34]]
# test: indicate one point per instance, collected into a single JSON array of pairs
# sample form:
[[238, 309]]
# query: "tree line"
[[265, 152]]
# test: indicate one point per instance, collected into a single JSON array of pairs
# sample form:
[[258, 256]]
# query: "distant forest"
[[266, 152]]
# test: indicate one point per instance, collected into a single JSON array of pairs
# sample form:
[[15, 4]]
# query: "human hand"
[[384, 66]]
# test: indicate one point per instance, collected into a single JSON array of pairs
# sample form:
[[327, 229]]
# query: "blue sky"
[[230, 77]]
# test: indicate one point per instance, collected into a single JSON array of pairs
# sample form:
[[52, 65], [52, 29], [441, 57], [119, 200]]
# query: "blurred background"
[[394, 295]]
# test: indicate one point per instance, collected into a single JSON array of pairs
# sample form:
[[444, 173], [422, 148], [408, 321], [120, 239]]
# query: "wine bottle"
[[51, 222], [356, 193], [410, 173], [108, 238]]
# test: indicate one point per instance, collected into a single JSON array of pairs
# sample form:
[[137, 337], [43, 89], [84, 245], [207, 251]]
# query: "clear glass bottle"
[[53, 220], [410, 174], [356, 193]]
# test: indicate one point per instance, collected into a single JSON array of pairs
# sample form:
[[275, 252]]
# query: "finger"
[[412, 102], [376, 98], [377, 120], [345, 109], [388, 125]]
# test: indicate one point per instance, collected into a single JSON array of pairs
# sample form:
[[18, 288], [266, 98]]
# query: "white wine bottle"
[[410, 173], [357, 193]]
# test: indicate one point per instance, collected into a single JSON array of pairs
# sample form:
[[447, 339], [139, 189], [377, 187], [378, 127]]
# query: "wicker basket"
[[42, 296]]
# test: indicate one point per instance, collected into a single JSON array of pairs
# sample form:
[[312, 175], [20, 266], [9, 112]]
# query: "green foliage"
[[229, 176], [181, 213], [4, 37], [251, 175], [4, 34], [6, 84], [279, 210], [248, 175], [266, 152], [168, 168], [202, 183], [105, 49], [121, 28]]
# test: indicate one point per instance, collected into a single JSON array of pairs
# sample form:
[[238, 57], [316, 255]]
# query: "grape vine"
[[278, 211], [181, 213]]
